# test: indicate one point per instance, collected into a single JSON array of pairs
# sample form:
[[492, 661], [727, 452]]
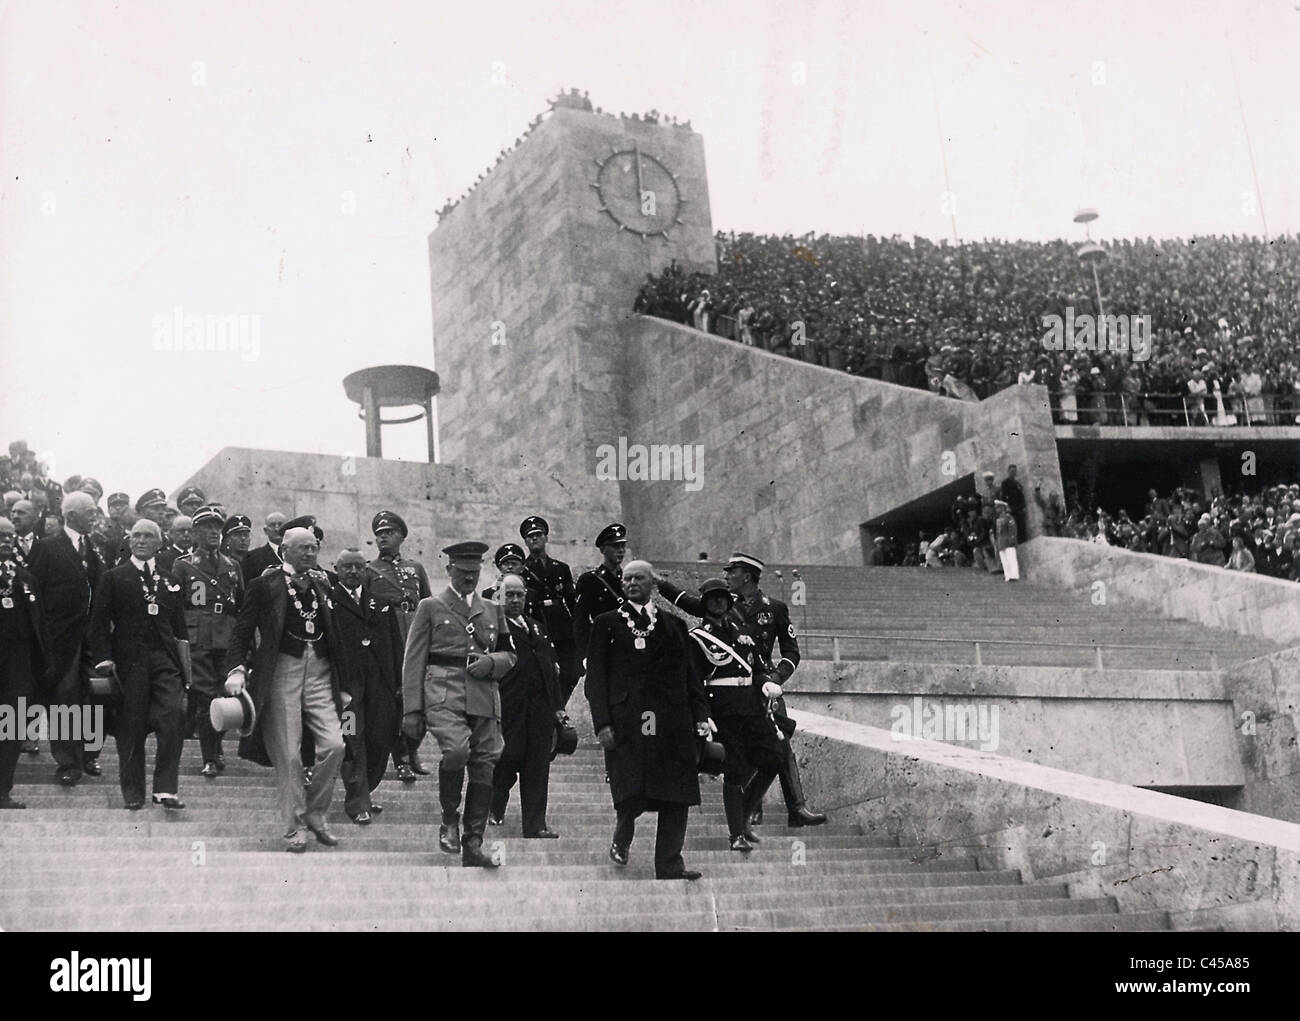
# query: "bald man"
[[65, 570], [135, 624], [260, 559], [648, 707], [286, 649], [181, 541], [370, 638]]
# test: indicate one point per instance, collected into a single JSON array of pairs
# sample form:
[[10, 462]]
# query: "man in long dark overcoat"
[[649, 711]]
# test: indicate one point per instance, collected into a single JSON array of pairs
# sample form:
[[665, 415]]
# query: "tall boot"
[[792, 789], [478, 799], [733, 803], [450, 783], [754, 793]]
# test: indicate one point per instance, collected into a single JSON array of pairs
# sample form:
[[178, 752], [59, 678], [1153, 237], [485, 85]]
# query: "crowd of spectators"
[[968, 320], [1253, 532]]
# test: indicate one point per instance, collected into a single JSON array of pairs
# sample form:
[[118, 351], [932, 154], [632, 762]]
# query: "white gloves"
[[771, 690]]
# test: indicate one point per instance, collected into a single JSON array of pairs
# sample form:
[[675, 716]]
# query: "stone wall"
[[1149, 728], [440, 504], [796, 457], [1208, 866], [1248, 604], [1265, 695]]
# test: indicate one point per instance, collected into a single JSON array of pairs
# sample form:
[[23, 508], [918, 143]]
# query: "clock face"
[[638, 193]]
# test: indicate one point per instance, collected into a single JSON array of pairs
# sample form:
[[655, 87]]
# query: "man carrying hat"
[[135, 623], [550, 582], [404, 582], [1005, 538], [212, 588], [296, 673], [457, 650], [726, 657], [768, 622]]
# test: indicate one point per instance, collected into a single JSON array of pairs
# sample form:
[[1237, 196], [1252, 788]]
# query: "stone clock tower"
[[531, 275]]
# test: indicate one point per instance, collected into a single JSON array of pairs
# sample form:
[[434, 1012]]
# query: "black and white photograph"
[[651, 467]]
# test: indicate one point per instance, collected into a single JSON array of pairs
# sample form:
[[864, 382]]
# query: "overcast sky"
[[286, 160]]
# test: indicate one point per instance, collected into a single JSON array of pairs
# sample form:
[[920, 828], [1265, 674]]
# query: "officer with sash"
[[212, 588], [727, 658]]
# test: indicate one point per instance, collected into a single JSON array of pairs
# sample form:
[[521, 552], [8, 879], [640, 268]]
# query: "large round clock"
[[638, 192]]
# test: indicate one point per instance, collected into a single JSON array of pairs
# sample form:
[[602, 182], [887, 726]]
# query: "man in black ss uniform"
[[551, 582]]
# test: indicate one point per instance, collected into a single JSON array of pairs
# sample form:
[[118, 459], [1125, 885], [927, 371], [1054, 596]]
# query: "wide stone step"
[[1138, 921], [412, 899]]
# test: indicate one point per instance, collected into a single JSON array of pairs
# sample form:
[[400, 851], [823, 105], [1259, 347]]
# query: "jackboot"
[[450, 783], [792, 789], [478, 801], [754, 792], [733, 803]]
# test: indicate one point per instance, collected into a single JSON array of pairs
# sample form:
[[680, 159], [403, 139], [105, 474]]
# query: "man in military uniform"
[[151, 504], [235, 534], [119, 523], [601, 590], [768, 622], [212, 588], [726, 657], [550, 582], [509, 560], [402, 581], [190, 499], [457, 650]]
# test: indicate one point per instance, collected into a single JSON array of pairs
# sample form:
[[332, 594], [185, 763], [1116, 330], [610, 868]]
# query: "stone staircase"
[[77, 860], [911, 607]]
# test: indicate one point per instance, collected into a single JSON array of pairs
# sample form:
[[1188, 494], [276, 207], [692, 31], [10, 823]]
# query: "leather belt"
[[728, 682], [445, 659]]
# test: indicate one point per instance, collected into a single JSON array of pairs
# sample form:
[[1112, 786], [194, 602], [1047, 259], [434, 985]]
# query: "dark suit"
[[551, 583], [370, 639], [64, 582], [289, 691], [651, 698], [142, 646], [530, 698], [258, 560], [21, 656]]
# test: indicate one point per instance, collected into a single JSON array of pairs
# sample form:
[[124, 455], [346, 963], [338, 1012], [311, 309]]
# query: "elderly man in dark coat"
[[295, 673], [531, 698], [649, 709], [371, 641]]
